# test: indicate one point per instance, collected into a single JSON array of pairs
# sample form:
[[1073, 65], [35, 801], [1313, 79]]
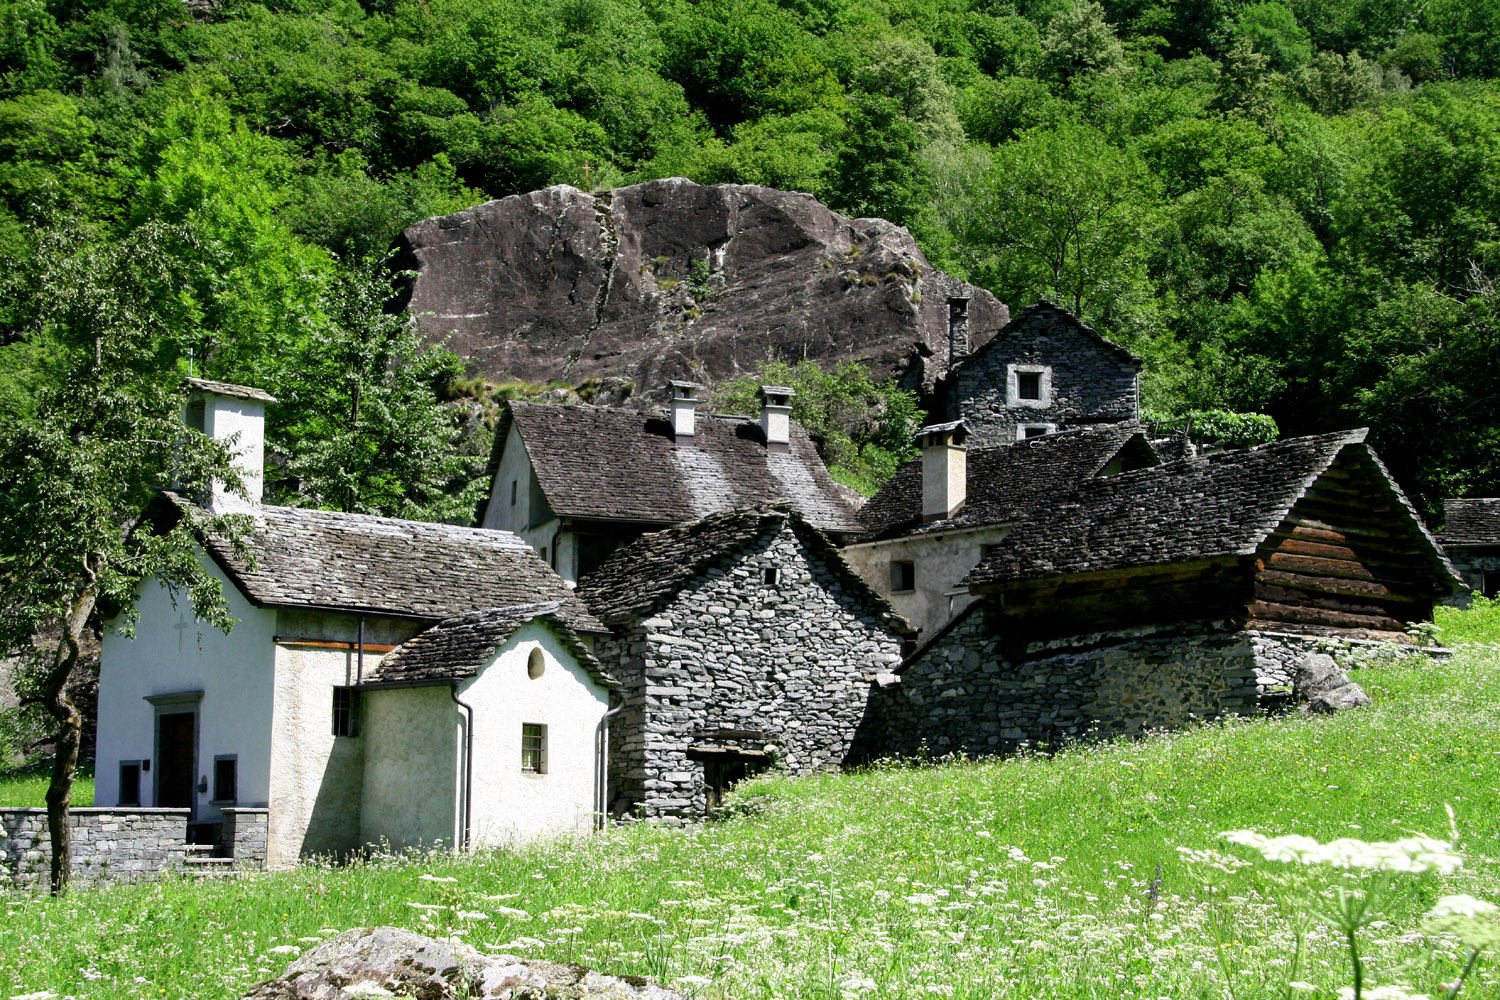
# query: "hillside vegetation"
[[1286, 206], [1026, 877]]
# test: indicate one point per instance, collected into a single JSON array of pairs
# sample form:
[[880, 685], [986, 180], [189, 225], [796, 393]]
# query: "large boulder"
[[672, 279], [389, 962], [1324, 686]]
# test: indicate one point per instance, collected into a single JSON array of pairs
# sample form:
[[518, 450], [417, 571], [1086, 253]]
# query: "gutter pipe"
[[601, 762], [468, 763]]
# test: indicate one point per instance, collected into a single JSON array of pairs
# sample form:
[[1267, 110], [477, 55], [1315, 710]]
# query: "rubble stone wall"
[[109, 845]]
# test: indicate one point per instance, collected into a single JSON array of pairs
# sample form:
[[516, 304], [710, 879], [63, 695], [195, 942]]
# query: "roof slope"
[[1037, 309], [460, 646], [655, 567], [597, 462], [1221, 505], [1471, 522], [360, 563], [1006, 482]]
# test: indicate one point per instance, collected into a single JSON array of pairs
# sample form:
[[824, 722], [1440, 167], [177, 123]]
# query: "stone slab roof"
[[1042, 309], [1217, 506], [643, 575], [1471, 522], [384, 565], [229, 389], [1007, 482], [597, 462], [459, 647]]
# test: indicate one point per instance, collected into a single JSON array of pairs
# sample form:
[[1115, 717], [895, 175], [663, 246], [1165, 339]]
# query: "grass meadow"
[[28, 787], [1029, 877]]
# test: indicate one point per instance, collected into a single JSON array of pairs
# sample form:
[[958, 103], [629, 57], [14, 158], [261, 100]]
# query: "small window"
[[533, 748], [903, 575], [225, 778], [987, 550], [770, 576], [543, 554], [195, 417], [130, 783], [1029, 385], [512, 492], [345, 711], [536, 663], [1033, 431]]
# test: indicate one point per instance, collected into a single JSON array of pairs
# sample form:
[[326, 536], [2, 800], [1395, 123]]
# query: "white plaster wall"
[[172, 653], [412, 740], [941, 561], [515, 467], [315, 776], [223, 418], [510, 804]]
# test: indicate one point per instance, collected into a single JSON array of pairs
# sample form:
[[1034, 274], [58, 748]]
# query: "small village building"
[[578, 482], [1043, 372], [933, 521], [1471, 538], [1186, 590], [267, 718], [740, 640]]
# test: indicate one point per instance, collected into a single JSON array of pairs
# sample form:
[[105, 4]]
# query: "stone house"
[[932, 522], [740, 639], [1043, 372], [578, 482], [1471, 538], [279, 717], [1185, 590]]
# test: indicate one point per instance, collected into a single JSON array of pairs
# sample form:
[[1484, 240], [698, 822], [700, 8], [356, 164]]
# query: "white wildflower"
[[435, 878], [1392, 992], [857, 985], [40, 995], [472, 915], [511, 911], [284, 949], [1461, 906]]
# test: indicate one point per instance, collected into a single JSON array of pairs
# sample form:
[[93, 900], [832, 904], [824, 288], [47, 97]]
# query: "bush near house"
[[1028, 877]]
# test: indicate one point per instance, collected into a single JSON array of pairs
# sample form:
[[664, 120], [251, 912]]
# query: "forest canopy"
[[1284, 207]]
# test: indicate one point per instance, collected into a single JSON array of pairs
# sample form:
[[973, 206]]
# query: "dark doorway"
[[723, 773], [175, 763]]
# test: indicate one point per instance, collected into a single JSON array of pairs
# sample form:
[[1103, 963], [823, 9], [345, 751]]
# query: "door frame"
[[175, 703]]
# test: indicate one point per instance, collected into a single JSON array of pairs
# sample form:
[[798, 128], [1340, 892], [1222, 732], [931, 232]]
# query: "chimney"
[[238, 412], [776, 417], [958, 329], [945, 469], [684, 399]]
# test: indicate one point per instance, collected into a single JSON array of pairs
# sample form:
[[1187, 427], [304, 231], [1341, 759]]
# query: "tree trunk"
[[54, 698]]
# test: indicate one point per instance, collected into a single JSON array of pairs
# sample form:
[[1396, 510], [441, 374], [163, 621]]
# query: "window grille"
[[533, 748]]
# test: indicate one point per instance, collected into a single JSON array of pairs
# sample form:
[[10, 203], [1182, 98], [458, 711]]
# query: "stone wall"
[[243, 836], [1480, 569], [729, 651], [1089, 382], [1277, 653], [109, 845]]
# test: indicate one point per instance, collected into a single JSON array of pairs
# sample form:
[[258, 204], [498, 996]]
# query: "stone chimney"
[[945, 469], [236, 415], [958, 329], [776, 417], [684, 400]]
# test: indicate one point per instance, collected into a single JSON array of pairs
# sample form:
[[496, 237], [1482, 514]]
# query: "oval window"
[[535, 663]]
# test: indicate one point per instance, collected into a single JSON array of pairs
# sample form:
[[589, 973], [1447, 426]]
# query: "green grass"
[[1030, 877], [1480, 622], [28, 787]]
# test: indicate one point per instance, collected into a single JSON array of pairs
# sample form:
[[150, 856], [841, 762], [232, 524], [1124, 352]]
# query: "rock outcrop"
[[389, 962], [1325, 687], [672, 279]]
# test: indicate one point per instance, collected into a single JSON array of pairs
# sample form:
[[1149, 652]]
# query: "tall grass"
[[27, 786], [1028, 877]]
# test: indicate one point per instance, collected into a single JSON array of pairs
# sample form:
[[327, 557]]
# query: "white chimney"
[[684, 399], [776, 417], [237, 412], [945, 469]]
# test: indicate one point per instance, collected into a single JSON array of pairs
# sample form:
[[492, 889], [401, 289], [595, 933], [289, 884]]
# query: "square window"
[[533, 748], [130, 783], [770, 576], [1029, 385], [225, 778], [345, 711], [903, 575]]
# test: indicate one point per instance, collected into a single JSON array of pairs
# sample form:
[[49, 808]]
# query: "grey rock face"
[[673, 279], [386, 961], [1326, 687]]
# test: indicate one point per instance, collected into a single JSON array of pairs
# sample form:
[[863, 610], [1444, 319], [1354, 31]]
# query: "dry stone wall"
[[730, 651], [109, 845]]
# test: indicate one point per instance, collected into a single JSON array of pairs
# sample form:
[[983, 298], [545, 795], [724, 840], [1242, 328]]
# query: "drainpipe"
[[468, 762], [601, 764], [359, 663]]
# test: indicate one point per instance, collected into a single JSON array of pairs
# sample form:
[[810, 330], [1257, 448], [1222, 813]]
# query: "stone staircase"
[[201, 862]]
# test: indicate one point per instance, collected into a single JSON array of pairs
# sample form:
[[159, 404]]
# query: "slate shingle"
[[356, 562], [457, 647], [1471, 522]]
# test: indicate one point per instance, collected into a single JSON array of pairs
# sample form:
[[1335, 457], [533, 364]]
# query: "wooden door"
[[175, 759]]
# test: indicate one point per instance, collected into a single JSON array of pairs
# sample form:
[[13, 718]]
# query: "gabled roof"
[[648, 572], [459, 647], [229, 389], [612, 464], [1007, 482], [1471, 522], [1041, 310], [384, 565], [1219, 506]]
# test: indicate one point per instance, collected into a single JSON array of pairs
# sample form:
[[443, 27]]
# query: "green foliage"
[[864, 429], [1234, 430], [1478, 623]]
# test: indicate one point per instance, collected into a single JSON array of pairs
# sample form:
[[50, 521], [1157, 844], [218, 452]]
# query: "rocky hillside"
[[672, 279]]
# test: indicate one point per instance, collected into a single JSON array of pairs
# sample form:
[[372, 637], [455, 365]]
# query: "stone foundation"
[[109, 845], [244, 835]]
